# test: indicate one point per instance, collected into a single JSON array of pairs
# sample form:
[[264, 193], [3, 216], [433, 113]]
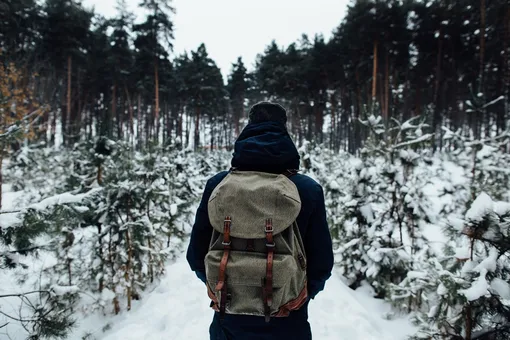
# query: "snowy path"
[[179, 309]]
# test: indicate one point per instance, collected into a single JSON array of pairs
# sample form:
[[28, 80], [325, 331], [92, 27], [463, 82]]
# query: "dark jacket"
[[267, 147]]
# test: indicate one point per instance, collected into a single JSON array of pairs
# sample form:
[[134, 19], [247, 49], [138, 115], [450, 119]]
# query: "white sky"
[[233, 28]]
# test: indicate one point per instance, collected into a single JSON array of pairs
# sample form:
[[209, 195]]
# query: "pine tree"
[[387, 209], [467, 297]]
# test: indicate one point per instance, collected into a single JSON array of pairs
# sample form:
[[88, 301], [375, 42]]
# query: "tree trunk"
[[138, 119], [114, 106], [151, 269], [355, 140], [213, 130], [197, 131], [387, 87], [188, 128], [127, 274], [68, 105], [333, 122], [1, 176], [506, 66], [130, 105], [99, 177], [179, 123], [156, 90], [482, 44], [469, 320], [374, 74], [101, 278], [436, 120]]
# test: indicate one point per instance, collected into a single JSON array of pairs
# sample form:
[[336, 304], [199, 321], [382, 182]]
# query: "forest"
[[107, 139], [445, 61]]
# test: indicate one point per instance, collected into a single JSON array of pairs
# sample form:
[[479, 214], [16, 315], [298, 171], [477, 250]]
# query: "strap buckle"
[[270, 245], [226, 243]]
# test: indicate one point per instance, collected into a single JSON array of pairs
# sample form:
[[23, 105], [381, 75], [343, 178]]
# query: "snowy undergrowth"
[[143, 203]]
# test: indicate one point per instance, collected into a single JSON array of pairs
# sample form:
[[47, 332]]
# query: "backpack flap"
[[251, 197]]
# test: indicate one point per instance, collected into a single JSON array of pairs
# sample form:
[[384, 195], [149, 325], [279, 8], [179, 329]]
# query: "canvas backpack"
[[256, 263]]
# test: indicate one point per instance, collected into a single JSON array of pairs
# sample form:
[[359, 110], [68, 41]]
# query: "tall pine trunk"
[[197, 130], [482, 44], [387, 86], [130, 108], [68, 104], [114, 106], [156, 90], [436, 120], [506, 65], [374, 75], [1, 176], [138, 120]]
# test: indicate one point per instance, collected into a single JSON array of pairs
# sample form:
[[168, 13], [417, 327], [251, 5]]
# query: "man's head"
[[267, 112]]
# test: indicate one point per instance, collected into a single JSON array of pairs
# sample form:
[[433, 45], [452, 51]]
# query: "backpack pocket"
[[245, 275]]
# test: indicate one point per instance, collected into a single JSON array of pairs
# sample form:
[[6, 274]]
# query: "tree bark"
[[197, 131], [469, 320], [68, 104], [138, 120], [130, 106], [436, 120], [156, 90], [506, 65], [128, 270], [1, 176], [387, 86], [100, 240], [482, 43], [374, 74], [114, 106]]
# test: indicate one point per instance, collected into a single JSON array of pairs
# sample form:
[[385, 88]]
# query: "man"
[[265, 145]]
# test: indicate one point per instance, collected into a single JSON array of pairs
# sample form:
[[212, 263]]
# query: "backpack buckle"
[[269, 228], [226, 243], [270, 245]]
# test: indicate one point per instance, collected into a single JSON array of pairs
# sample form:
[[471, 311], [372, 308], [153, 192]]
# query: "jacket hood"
[[265, 146]]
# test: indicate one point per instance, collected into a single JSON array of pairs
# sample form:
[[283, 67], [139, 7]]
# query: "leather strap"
[[295, 304], [223, 301], [221, 285], [268, 282]]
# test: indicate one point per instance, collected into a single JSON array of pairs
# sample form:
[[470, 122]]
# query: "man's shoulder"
[[307, 184], [213, 181]]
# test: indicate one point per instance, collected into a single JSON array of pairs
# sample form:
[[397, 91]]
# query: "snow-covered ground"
[[178, 308]]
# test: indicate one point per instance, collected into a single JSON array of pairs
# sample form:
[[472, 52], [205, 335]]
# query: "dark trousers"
[[243, 327]]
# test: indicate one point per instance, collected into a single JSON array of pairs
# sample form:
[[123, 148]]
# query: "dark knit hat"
[[267, 111]]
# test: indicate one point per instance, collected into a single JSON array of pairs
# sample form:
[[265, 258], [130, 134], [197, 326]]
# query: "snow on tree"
[[465, 294], [485, 159], [387, 210]]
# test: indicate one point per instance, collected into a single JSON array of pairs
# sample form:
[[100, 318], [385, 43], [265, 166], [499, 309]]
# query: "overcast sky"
[[233, 28]]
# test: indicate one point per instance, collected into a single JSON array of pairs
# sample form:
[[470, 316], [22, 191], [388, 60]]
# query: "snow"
[[494, 101], [488, 264], [501, 287], [173, 209], [62, 199], [501, 208], [481, 206], [63, 290], [176, 310], [367, 212], [478, 289], [442, 290]]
